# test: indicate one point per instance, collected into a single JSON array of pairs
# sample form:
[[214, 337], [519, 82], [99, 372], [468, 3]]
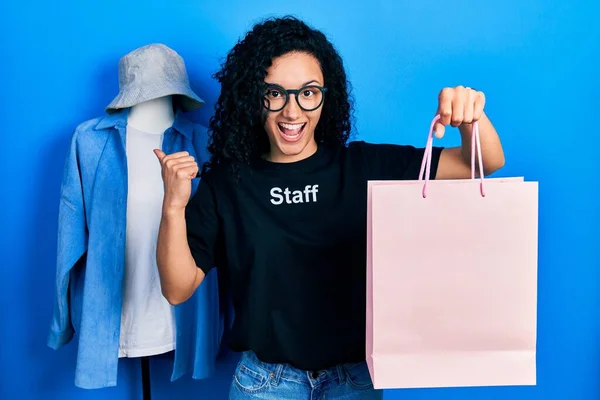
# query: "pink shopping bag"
[[452, 280]]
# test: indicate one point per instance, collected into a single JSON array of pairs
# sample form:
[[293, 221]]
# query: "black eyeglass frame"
[[295, 92]]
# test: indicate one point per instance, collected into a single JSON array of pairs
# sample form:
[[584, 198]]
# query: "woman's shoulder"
[[226, 173], [370, 150], [215, 173], [362, 145]]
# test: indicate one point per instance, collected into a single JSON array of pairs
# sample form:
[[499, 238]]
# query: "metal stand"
[[146, 378]]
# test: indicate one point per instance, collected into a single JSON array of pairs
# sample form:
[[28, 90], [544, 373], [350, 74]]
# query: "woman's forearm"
[[179, 275]]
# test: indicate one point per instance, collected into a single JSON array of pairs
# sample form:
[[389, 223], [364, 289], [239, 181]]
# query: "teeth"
[[291, 127]]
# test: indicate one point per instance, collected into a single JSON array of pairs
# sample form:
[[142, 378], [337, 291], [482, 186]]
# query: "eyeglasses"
[[309, 98]]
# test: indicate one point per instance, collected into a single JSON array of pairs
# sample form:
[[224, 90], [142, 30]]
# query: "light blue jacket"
[[91, 255]]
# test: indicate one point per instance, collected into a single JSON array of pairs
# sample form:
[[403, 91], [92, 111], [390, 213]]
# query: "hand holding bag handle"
[[426, 163]]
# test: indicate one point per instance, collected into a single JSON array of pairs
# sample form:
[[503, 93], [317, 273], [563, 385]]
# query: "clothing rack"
[[146, 393]]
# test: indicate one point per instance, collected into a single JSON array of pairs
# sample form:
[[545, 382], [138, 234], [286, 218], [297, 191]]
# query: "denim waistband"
[[337, 373]]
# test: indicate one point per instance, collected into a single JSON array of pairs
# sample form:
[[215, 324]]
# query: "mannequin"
[[147, 319], [107, 283], [152, 116]]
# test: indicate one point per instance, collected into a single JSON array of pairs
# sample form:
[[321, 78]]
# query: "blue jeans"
[[254, 379]]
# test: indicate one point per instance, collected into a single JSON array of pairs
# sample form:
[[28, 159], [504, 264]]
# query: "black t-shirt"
[[290, 241]]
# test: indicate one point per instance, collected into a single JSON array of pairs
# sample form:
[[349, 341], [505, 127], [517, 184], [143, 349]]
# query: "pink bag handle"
[[426, 163]]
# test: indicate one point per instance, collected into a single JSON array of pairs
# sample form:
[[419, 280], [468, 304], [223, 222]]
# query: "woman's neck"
[[277, 157]]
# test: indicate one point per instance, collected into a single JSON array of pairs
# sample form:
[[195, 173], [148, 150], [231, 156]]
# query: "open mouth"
[[291, 132]]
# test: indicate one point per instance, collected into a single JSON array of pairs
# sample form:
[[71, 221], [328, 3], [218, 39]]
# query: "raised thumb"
[[160, 154]]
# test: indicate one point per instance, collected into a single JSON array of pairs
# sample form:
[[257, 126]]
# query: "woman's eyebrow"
[[304, 84]]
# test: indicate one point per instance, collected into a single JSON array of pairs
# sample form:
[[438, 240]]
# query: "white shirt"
[[147, 319]]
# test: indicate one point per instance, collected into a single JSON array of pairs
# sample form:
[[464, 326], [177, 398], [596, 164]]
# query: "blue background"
[[537, 62]]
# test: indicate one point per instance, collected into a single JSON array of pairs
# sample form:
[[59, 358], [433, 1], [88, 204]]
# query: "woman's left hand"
[[457, 106]]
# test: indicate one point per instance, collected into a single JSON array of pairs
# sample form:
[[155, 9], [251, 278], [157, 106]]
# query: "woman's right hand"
[[178, 170]]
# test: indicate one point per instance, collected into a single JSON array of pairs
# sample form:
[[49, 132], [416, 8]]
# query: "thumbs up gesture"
[[178, 170]]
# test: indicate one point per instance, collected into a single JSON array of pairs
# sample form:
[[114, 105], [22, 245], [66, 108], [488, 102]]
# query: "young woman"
[[280, 211]]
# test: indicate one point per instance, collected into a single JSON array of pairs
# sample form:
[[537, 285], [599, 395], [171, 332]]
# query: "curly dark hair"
[[236, 130]]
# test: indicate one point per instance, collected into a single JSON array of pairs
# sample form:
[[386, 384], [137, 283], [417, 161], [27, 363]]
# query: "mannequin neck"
[[152, 116]]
